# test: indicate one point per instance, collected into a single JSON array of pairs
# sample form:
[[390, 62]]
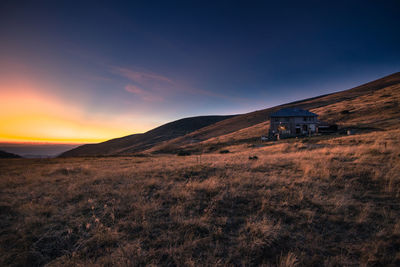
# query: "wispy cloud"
[[144, 78], [143, 94], [150, 87], [155, 87]]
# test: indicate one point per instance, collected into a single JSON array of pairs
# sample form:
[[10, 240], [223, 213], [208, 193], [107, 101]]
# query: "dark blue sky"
[[151, 62]]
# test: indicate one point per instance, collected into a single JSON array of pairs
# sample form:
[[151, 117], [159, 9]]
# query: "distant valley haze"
[[36, 149]]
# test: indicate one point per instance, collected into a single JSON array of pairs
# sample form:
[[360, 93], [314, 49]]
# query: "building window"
[[304, 118], [276, 119], [283, 129]]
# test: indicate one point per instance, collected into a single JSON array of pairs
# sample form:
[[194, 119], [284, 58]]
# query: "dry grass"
[[378, 109], [308, 202]]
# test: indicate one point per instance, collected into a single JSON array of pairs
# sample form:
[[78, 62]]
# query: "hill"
[[139, 142], [371, 105], [6, 155]]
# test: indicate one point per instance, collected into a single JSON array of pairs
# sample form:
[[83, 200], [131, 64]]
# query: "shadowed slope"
[[139, 142], [6, 155]]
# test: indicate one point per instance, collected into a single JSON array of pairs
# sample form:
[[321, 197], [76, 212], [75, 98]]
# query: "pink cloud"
[[143, 94], [144, 78], [163, 85]]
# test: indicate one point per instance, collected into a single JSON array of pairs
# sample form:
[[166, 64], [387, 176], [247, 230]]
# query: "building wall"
[[291, 123]]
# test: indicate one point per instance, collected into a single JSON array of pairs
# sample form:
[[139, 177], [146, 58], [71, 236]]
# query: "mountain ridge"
[[8, 155], [139, 142]]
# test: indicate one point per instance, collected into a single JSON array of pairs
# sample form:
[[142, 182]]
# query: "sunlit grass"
[[329, 202]]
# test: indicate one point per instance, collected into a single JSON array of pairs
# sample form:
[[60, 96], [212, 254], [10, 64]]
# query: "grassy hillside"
[[372, 105], [332, 201], [378, 109], [138, 142]]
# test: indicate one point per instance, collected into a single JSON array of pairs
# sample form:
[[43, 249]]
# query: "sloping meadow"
[[329, 202]]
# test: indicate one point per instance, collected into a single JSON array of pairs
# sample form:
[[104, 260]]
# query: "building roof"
[[292, 112]]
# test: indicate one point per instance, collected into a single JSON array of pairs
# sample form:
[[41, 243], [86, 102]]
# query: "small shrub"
[[345, 112], [224, 151], [184, 153], [374, 151], [140, 155], [253, 157], [383, 96], [70, 171]]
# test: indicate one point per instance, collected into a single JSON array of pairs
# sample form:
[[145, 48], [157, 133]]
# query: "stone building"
[[291, 122]]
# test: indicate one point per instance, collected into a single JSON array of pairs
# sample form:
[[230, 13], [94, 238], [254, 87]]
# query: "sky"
[[87, 71]]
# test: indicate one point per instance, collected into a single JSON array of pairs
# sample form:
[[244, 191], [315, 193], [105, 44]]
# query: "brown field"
[[331, 200]]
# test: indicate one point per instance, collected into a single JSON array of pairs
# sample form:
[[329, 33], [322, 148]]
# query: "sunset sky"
[[88, 71]]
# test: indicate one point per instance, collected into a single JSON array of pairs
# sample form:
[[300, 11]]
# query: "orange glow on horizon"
[[28, 114], [28, 140]]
